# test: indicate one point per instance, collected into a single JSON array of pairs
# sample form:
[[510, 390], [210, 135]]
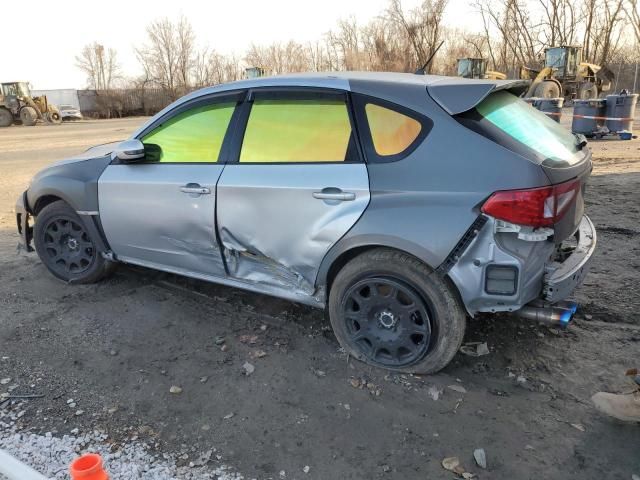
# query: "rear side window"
[[529, 127], [391, 132], [297, 130], [193, 136]]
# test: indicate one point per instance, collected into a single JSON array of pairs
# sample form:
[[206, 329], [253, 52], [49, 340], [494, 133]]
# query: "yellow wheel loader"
[[565, 75], [19, 107]]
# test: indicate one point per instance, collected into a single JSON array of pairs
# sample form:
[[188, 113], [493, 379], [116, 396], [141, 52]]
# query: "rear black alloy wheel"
[[68, 247], [387, 321], [389, 309]]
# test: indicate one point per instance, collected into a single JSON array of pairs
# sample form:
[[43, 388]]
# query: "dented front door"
[[161, 212], [162, 215], [295, 187]]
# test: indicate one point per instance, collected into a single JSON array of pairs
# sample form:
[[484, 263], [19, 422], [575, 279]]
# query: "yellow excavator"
[[565, 75], [477, 68]]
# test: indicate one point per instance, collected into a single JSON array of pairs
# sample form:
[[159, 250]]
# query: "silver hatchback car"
[[401, 203]]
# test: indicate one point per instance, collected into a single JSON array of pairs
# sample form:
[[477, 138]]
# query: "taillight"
[[534, 207]]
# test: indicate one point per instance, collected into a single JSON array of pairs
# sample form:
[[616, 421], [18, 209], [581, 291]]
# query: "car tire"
[[587, 91], [65, 247], [390, 310], [547, 89], [29, 116], [54, 117], [6, 118]]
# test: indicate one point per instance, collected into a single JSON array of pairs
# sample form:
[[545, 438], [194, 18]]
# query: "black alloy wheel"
[[387, 321], [68, 248]]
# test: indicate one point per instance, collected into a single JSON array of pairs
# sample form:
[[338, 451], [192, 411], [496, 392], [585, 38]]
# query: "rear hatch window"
[[511, 122]]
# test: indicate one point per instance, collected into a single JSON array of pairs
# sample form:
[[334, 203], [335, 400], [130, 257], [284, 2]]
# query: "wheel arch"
[[347, 249], [40, 195]]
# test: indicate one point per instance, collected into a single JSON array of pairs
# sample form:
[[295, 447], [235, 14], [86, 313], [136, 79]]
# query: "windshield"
[[555, 58], [23, 89], [464, 67], [67, 107], [471, 67], [531, 128]]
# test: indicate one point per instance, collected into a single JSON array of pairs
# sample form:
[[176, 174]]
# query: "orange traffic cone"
[[88, 467]]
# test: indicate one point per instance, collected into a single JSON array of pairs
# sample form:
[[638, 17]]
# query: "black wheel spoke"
[[359, 315], [69, 249], [360, 335], [387, 321], [55, 235], [392, 292]]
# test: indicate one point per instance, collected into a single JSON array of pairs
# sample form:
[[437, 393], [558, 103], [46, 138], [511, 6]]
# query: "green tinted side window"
[[529, 126], [192, 136], [297, 131]]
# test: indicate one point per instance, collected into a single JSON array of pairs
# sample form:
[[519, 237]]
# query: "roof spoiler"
[[457, 95]]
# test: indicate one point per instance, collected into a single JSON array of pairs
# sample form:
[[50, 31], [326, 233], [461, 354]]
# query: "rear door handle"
[[331, 194], [195, 188]]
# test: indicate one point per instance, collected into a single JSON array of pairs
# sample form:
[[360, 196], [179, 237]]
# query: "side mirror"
[[129, 151]]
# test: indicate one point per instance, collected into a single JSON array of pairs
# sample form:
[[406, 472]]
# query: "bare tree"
[[169, 55], [345, 42], [211, 68], [422, 27], [632, 9], [280, 58], [560, 21], [100, 65], [610, 20], [517, 41], [513, 33]]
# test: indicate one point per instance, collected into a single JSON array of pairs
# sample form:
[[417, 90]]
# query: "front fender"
[[70, 190], [74, 182]]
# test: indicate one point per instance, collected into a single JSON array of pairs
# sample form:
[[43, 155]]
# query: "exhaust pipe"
[[557, 315]]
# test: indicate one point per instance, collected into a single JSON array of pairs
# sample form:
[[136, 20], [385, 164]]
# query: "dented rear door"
[[297, 186]]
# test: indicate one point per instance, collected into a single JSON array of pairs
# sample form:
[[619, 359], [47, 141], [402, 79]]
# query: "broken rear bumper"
[[564, 275], [25, 230]]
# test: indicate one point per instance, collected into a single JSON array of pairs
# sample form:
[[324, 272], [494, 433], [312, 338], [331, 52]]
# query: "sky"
[[60, 29]]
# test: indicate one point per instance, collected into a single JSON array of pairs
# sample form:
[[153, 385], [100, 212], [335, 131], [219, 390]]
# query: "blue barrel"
[[595, 111], [621, 110], [551, 106]]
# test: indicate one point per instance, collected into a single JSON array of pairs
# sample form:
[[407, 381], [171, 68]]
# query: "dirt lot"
[[116, 348]]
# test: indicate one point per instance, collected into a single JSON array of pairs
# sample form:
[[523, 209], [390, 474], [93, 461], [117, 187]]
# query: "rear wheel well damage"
[[348, 255], [341, 261]]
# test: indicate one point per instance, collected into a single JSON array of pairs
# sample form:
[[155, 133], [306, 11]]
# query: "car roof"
[[341, 79], [453, 94]]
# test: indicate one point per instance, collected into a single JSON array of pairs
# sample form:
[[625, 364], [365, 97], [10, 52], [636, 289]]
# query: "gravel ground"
[[52, 455], [117, 348]]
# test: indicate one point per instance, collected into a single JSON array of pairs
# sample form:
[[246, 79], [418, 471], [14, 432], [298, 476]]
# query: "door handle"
[[334, 195], [194, 188]]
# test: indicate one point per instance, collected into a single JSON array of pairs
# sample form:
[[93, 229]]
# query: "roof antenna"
[[421, 71]]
